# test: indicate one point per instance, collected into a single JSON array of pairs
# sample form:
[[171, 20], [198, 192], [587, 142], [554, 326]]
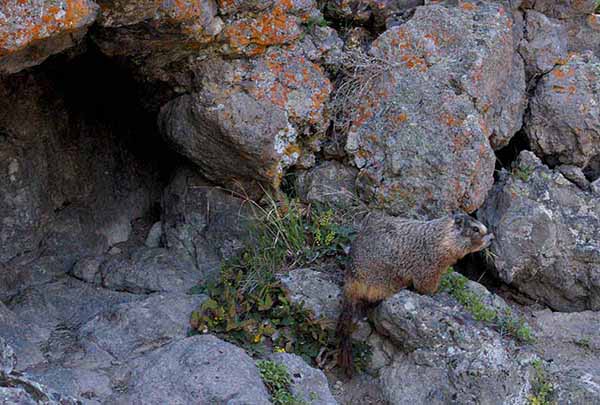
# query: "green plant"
[[456, 285], [249, 307], [597, 7], [277, 379], [541, 387], [523, 173]]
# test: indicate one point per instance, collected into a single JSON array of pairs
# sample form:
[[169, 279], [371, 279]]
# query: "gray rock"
[[22, 338], [329, 183], [7, 357], [142, 270], [317, 290], [546, 235], [563, 124], [64, 305], [461, 361], [426, 161], [575, 175], [584, 34], [154, 236], [195, 370], [570, 343], [131, 329], [19, 390], [31, 32], [544, 44], [308, 384], [562, 8], [238, 127], [202, 222]]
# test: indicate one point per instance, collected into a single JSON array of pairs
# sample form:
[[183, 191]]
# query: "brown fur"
[[392, 253]]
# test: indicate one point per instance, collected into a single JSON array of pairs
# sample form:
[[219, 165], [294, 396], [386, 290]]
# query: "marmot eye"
[[475, 229]]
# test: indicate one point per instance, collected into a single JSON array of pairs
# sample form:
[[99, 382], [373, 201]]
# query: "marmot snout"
[[392, 253]]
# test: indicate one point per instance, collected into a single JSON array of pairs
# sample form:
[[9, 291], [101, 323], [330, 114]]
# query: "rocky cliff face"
[[137, 135]]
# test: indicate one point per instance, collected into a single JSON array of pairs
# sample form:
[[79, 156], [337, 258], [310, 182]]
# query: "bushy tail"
[[344, 331]]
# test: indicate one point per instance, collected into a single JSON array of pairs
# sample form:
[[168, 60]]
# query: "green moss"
[[278, 381], [523, 173], [456, 285]]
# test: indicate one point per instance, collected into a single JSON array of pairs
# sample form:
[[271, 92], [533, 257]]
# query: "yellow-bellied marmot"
[[392, 253]]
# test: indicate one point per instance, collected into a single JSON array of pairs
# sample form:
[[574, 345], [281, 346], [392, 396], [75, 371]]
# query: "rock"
[[546, 232], [584, 34], [154, 236], [153, 35], [595, 186], [19, 390], [21, 339], [308, 384], [427, 161], [562, 8], [544, 44], [130, 329], [570, 343], [202, 222], [238, 130], [198, 369], [31, 32], [563, 124], [322, 45], [64, 305], [329, 183], [317, 290], [7, 357], [575, 175], [140, 271], [461, 361]]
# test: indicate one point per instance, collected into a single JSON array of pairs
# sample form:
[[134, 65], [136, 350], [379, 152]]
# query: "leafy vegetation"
[[249, 307], [456, 285], [597, 6], [523, 173], [277, 379], [541, 387]]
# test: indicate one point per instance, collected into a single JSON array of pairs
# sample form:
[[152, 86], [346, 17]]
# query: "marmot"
[[392, 253]]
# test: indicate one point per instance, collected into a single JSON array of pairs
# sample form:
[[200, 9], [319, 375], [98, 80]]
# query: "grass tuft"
[[278, 381], [542, 389]]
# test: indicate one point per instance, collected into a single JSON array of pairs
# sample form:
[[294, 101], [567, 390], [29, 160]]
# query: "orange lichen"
[[467, 6]]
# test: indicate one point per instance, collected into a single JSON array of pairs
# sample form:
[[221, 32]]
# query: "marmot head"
[[470, 235]]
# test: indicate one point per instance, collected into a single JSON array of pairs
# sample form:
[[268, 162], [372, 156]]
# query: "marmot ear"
[[459, 219]]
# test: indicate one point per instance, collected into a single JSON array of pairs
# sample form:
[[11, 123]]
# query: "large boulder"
[[544, 43], [242, 128], [198, 369], [142, 270], [330, 183], [584, 34], [547, 232], [570, 343], [563, 9], [202, 222], [462, 361], [23, 339], [440, 85], [564, 118], [32, 31]]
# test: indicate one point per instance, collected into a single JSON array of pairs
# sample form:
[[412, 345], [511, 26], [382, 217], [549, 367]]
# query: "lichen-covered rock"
[[307, 384], [584, 34], [31, 31], [153, 34], [547, 232], [329, 183], [199, 370], [382, 12], [562, 8], [202, 222], [243, 126], [544, 44], [460, 360], [564, 119], [420, 138]]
